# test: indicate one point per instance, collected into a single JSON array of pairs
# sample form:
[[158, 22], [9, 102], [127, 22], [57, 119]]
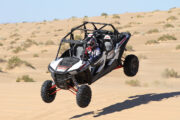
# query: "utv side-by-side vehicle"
[[71, 70]]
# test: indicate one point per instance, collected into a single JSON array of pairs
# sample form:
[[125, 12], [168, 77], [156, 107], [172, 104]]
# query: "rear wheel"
[[46, 91], [131, 65], [83, 96]]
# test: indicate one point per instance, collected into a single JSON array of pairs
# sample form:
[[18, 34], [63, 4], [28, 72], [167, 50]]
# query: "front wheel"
[[46, 91], [131, 65], [83, 96]]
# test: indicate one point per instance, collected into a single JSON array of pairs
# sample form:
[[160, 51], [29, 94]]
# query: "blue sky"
[[38, 10]]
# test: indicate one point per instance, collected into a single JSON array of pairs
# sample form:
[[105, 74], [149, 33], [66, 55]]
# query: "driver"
[[92, 51]]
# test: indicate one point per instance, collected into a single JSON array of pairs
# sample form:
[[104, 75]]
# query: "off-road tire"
[[83, 96], [131, 65], [46, 91]]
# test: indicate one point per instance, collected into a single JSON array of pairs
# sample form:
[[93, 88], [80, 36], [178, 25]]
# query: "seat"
[[78, 49], [108, 45]]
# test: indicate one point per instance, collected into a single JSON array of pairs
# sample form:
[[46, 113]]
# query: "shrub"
[[28, 43], [171, 18], [169, 11], [153, 31], [172, 8], [136, 32], [15, 62], [78, 37], [127, 31], [167, 37], [85, 18], [134, 83], [28, 64], [149, 42], [18, 49], [1, 44], [55, 19], [49, 42], [168, 25], [156, 11], [129, 48], [139, 16], [43, 51], [14, 35], [2, 60], [55, 35], [178, 47], [134, 23], [47, 71], [12, 42], [168, 73], [10, 47], [115, 16], [119, 27], [35, 55], [25, 78], [117, 22], [1, 69], [138, 23], [73, 17], [127, 26], [104, 14]]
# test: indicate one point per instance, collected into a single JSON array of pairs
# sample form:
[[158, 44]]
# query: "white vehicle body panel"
[[76, 66], [55, 63]]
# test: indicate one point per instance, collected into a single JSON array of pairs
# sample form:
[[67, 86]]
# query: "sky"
[[12, 11]]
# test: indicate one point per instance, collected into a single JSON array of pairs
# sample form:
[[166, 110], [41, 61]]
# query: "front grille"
[[62, 80], [62, 77]]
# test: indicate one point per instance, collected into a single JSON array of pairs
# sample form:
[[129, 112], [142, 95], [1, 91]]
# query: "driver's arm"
[[97, 54]]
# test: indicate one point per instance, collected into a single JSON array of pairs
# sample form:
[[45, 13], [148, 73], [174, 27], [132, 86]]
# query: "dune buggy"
[[70, 71]]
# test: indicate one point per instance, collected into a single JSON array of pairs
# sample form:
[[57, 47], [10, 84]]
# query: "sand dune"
[[115, 102], [156, 97]]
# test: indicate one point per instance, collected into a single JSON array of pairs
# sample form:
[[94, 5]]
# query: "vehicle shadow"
[[133, 101]]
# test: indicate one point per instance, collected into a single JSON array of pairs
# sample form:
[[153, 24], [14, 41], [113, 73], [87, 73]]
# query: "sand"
[[156, 97]]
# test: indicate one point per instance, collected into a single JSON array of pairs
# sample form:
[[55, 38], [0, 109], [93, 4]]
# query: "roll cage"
[[83, 27]]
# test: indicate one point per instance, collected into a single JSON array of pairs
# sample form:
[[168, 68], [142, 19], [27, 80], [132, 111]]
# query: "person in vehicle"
[[92, 50]]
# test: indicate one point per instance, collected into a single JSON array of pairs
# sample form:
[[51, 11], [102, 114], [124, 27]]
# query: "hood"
[[66, 64]]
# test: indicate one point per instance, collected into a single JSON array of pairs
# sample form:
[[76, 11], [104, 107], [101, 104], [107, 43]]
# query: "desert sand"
[[155, 97]]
